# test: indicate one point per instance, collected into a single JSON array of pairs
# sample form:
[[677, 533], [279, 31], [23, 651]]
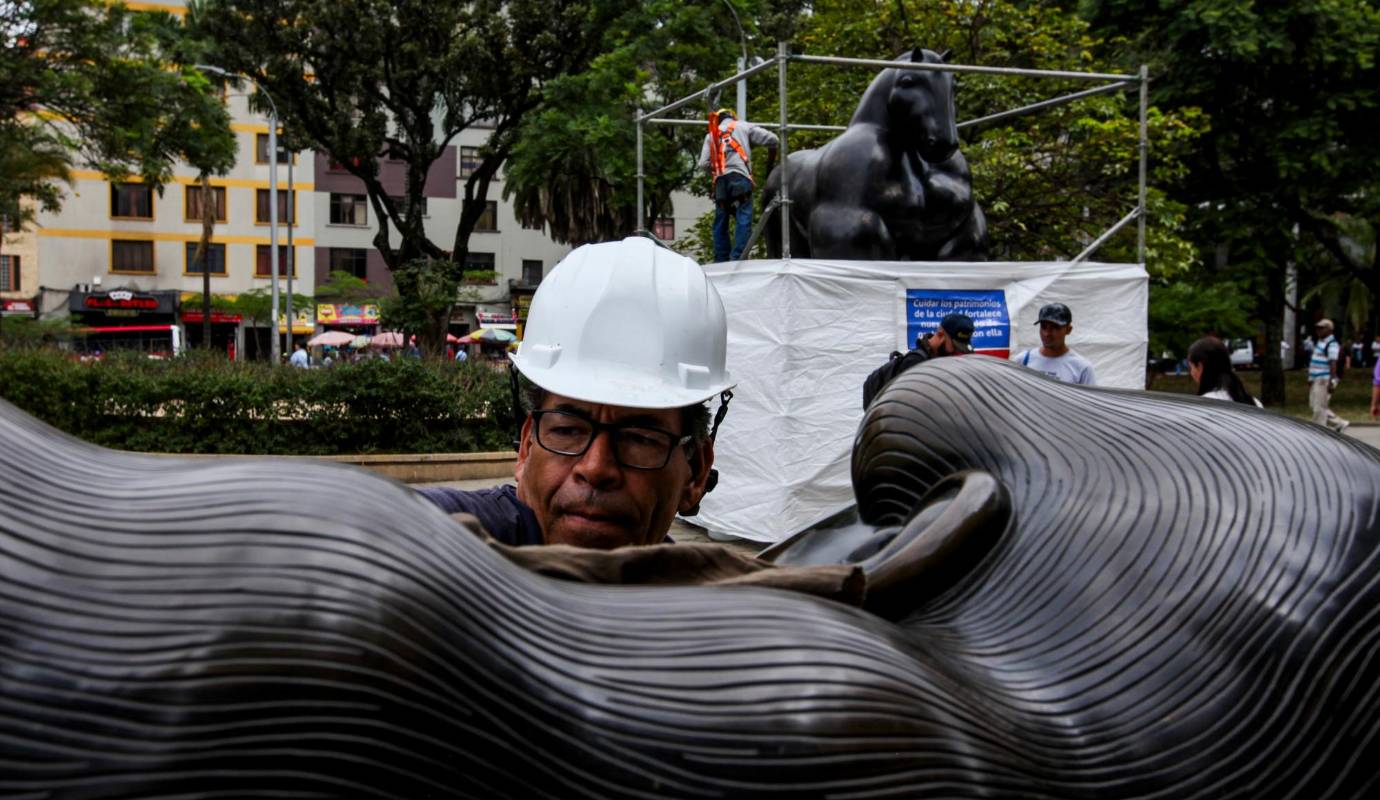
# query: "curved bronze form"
[[894, 186], [1146, 596]]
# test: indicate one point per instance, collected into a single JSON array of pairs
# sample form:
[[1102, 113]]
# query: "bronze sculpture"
[[894, 186], [1117, 594]]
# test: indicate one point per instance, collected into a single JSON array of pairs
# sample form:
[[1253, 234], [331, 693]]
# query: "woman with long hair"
[[1209, 363]]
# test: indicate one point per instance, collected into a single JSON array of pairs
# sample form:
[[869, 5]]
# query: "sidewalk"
[[1370, 434]]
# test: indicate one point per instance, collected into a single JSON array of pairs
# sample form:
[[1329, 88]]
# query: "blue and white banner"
[[986, 307]]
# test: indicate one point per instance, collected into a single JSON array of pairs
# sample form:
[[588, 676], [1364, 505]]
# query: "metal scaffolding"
[[1113, 82]]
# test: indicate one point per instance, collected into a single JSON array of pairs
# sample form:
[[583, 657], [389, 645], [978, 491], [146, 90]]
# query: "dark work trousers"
[[732, 196]]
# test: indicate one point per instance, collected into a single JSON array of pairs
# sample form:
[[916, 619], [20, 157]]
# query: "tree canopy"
[[1287, 162], [574, 167], [363, 80], [98, 84]]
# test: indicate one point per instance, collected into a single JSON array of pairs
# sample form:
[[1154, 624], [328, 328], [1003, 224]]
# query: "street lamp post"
[[742, 61], [292, 223], [275, 344]]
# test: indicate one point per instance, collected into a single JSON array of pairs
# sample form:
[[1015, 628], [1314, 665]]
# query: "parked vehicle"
[[1243, 353]]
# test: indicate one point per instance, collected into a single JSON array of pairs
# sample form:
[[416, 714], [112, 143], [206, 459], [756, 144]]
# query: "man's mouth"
[[594, 516]]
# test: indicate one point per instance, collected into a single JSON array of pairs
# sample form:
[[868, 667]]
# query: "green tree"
[[344, 287], [362, 80], [1289, 90], [573, 167], [256, 307], [96, 83]]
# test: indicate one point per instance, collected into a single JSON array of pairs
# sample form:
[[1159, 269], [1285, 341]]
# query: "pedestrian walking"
[[1322, 377]]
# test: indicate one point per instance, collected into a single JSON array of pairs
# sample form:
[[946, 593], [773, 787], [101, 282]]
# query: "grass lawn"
[[1351, 400]]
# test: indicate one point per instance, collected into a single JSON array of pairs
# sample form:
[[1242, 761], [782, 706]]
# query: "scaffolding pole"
[[1107, 234], [1144, 158], [924, 67], [794, 126], [1044, 104], [782, 57], [641, 223], [713, 87]]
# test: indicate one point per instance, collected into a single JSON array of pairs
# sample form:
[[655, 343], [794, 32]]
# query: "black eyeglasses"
[[635, 446]]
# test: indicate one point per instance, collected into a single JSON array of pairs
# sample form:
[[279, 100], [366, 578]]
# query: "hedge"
[[201, 404]]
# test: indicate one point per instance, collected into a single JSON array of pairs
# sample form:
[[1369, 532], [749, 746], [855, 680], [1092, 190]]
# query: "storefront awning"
[[121, 329], [218, 317]]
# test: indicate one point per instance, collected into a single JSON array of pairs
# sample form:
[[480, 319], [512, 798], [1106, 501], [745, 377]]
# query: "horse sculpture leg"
[[846, 231], [970, 243], [802, 168]]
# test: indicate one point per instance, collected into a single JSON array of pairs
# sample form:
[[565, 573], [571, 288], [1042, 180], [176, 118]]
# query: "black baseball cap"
[[1058, 313], [959, 328]]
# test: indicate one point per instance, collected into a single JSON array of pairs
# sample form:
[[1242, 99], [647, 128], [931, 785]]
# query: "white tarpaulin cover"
[[803, 336]]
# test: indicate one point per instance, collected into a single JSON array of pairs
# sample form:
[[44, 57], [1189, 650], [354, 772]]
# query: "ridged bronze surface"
[[1183, 606]]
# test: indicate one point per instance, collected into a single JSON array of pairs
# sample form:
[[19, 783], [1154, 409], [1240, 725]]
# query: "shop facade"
[[125, 319]]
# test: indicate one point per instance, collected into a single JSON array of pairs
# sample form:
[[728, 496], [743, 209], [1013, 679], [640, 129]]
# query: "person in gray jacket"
[[727, 155]]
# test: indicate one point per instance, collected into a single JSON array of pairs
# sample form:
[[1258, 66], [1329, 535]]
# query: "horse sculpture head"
[[917, 105]]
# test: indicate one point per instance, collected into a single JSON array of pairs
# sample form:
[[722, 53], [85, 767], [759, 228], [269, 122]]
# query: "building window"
[[531, 272], [261, 209], [191, 203], [401, 203], [480, 262], [664, 228], [349, 209], [9, 273], [469, 161], [488, 221], [128, 256], [215, 259], [131, 201], [261, 150], [354, 260], [263, 266]]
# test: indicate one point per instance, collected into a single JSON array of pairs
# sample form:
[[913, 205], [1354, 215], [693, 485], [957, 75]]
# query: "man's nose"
[[599, 465]]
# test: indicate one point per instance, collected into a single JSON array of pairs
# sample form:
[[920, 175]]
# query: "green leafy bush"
[[200, 404]]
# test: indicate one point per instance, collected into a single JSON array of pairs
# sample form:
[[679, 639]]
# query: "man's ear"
[[524, 449], [694, 490]]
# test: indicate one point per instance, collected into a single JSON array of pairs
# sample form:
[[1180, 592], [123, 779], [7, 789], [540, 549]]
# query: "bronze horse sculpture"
[[1111, 594], [893, 186]]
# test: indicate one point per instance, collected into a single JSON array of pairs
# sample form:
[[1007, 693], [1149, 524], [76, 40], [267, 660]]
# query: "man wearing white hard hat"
[[623, 348]]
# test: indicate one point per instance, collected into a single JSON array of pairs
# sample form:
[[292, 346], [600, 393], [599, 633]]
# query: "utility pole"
[[292, 223]]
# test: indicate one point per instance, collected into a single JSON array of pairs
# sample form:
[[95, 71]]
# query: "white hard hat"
[[626, 323]]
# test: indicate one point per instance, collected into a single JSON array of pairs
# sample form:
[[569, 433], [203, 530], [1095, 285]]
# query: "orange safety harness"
[[720, 141]]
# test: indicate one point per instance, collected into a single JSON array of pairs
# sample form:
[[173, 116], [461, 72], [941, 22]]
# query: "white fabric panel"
[[804, 334]]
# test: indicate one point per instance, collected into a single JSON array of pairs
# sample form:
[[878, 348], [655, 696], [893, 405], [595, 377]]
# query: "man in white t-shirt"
[[1054, 358]]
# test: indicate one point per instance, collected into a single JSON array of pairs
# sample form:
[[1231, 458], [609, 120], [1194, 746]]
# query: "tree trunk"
[[203, 248], [1272, 369]]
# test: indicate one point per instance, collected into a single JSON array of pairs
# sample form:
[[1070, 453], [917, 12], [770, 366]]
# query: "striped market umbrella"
[[496, 335]]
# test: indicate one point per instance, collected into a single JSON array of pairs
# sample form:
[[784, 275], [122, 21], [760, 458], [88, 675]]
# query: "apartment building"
[[18, 272], [120, 256]]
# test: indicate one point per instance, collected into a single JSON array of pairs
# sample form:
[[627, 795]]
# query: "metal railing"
[[1115, 82]]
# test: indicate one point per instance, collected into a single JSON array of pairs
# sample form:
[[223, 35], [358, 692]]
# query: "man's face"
[[941, 344], [1052, 335], [591, 500]]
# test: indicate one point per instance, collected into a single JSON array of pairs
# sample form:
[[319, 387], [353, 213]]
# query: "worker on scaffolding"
[[727, 155]]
